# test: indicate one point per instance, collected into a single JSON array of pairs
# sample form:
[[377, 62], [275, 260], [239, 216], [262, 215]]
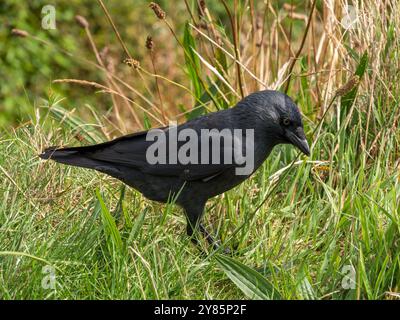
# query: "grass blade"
[[192, 61], [252, 283], [110, 227]]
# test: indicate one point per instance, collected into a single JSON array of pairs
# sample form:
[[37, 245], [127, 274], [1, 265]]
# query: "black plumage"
[[273, 117]]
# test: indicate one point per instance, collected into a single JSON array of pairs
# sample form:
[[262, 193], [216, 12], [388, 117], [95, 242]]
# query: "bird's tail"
[[77, 156]]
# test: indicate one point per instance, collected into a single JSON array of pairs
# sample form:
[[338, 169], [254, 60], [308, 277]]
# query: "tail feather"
[[78, 157], [72, 156], [54, 152]]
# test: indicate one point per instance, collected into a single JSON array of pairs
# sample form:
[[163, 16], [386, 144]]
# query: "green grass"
[[333, 212]]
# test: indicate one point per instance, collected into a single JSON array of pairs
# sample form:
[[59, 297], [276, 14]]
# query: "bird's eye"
[[286, 121]]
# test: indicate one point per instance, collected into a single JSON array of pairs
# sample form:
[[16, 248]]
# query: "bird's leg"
[[193, 217], [191, 226], [215, 243], [190, 232]]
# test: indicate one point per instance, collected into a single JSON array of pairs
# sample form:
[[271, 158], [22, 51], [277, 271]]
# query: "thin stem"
[[235, 44], [301, 46], [114, 28], [158, 87]]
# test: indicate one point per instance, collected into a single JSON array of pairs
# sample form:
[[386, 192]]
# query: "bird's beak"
[[299, 140]]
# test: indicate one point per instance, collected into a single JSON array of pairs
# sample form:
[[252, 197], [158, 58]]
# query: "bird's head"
[[280, 117]]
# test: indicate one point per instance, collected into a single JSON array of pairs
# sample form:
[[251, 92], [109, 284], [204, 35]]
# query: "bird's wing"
[[131, 151]]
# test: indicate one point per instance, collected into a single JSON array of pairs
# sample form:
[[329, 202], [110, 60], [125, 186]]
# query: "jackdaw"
[[264, 119]]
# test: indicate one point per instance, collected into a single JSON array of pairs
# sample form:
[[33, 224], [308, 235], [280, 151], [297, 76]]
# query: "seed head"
[[19, 33], [202, 7], [160, 13], [348, 86], [82, 21], [132, 63], [149, 43]]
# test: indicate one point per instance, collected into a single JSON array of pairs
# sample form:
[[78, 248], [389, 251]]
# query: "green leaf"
[[348, 99], [199, 108], [201, 92], [118, 209], [252, 283], [304, 287], [390, 38], [146, 122], [137, 226], [362, 273], [192, 61], [110, 227]]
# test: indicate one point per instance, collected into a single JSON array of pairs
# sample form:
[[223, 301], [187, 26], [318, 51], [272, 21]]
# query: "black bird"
[[273, 117]]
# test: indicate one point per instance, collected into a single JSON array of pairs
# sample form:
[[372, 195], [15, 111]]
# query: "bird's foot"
[[216, 244]]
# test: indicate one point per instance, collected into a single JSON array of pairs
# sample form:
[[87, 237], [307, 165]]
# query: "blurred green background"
[[27, 67]]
